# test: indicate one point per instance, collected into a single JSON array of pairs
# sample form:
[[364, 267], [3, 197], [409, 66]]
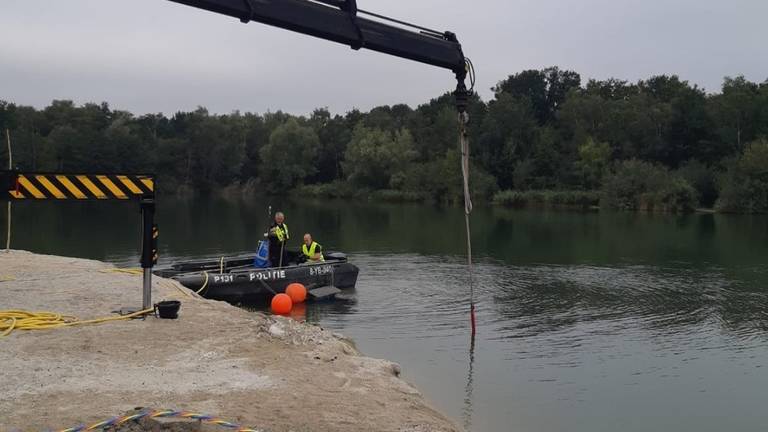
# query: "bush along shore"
[[642, 186], [629, 185], [659, 144]]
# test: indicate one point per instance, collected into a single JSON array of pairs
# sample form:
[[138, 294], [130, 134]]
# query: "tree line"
[[545, 138]]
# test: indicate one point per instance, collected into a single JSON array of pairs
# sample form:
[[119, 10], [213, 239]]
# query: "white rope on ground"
[[464, 141]]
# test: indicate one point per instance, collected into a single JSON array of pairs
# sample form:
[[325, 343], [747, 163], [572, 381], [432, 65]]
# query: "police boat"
[[239, 278]]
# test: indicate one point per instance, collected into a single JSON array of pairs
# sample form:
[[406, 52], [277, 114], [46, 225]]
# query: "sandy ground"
[[260, 371]]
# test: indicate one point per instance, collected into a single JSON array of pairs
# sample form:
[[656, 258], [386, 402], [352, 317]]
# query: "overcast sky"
[[158, 56]]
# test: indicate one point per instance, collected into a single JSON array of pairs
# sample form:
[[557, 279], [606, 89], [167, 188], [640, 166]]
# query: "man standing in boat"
[[311, 250], [278, 236]]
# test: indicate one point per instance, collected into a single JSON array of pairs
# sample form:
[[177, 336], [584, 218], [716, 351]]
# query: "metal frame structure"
[[41, 186]]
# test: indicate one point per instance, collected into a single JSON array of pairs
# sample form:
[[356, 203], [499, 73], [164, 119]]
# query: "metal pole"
[[147, 221], [146, 301]]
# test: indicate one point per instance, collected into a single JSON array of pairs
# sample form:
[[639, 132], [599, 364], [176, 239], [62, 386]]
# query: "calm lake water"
[[586, 321]]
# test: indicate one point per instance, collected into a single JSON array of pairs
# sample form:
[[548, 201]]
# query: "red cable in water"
[[472, 318]]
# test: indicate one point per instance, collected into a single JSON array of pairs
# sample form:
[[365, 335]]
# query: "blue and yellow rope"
[[117, 421]]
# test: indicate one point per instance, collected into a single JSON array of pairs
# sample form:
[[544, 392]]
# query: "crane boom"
[[339, 21]]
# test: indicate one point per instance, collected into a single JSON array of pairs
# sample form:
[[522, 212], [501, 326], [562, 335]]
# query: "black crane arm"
[[338, 21]]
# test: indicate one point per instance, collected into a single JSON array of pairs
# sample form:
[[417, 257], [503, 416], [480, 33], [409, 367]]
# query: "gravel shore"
[[260, 371]]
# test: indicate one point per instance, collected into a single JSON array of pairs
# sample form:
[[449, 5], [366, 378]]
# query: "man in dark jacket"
[[278, 236]]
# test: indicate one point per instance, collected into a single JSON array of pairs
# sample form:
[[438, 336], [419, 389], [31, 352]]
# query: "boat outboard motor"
[[262, 255], [335, 256]]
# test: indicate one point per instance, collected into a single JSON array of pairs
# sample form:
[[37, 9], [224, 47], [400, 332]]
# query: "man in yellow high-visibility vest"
[[311, 250]]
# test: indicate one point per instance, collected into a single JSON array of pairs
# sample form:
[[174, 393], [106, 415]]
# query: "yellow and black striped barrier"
[[58, 186]]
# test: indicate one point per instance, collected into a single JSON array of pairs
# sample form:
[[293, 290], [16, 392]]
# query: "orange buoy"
[[281, 304], [297, 292]]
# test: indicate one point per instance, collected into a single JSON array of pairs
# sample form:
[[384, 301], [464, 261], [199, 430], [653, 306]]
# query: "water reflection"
[[466, 413], [534, 300]]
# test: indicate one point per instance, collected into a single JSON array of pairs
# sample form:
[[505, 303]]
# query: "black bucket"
[[168, 309]]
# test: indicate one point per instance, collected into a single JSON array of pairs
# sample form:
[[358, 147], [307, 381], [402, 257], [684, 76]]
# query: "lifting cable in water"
[[463, 120], [464, 143]]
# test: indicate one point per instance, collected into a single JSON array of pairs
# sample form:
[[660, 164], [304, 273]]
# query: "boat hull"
[[253, 283]]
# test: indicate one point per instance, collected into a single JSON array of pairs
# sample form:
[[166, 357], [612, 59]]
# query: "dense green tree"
[[71, 147], [762, 116], [744, 187], [544, 165], [376, 158], [691, 129], [256, 135], [508, 133], [172, 164], [442, 180], [30, 152], [434, 127], [737, 112], [380, 118], [663, 88], [334, 134], [7, 115], [289, 157], [611, 89], [594, 160], [545, 89]]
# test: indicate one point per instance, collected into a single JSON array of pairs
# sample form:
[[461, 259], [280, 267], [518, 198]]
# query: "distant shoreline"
[[530, 199]]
